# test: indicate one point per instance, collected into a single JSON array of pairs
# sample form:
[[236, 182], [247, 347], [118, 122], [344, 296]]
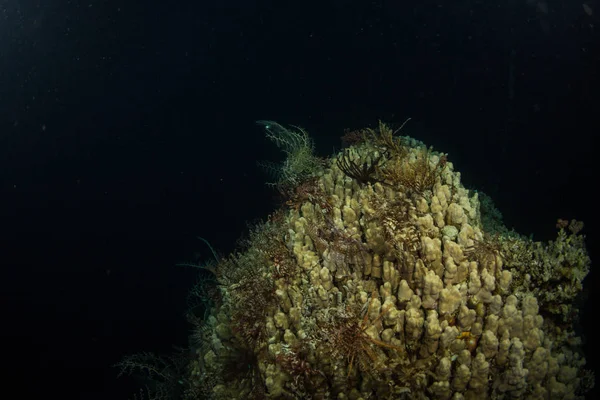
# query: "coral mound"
[[383, 277]]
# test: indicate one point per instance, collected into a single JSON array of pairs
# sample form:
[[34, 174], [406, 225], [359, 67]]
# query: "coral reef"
[[379, 280]]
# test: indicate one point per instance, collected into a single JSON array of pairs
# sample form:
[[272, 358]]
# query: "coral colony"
[[383, 277]]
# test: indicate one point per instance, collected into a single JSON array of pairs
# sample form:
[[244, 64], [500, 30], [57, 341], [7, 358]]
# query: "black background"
[[127, 129]]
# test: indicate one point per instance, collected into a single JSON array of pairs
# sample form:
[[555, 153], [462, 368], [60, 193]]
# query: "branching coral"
[[553, 272]]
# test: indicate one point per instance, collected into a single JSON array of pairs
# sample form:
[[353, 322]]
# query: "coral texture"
[[378, 279]]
